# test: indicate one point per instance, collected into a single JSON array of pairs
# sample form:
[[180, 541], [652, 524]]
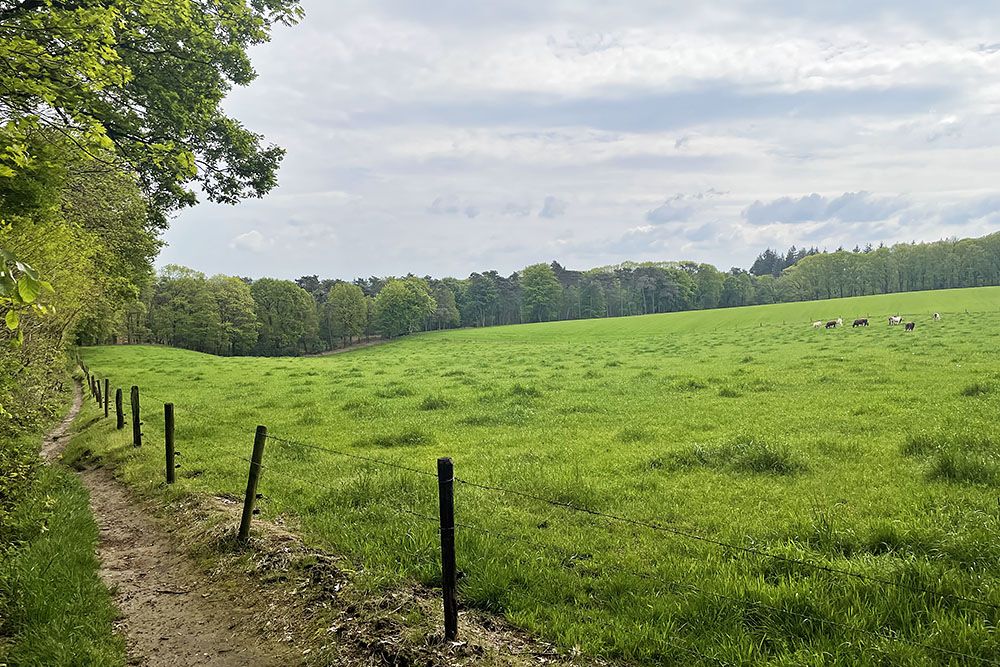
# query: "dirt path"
[[171, 612], [349, 348], [53, 443]]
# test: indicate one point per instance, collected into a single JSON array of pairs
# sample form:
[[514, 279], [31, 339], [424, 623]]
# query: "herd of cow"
[[863, 322]]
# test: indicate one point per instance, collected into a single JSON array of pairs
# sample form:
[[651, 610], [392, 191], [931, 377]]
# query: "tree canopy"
[[402, 306], [287, 315], [345, 313], [542, 293], [138, 86]]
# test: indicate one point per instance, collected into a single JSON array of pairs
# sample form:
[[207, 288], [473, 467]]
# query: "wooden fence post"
[[251, 497], [98, 396], [136, 424], [119, 409], [449, 580], [107, 395], [168, 436]]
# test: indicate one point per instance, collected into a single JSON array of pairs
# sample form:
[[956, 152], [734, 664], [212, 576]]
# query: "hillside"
[[868, 451]]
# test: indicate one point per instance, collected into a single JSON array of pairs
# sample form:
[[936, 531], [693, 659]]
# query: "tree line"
[[239, 316]]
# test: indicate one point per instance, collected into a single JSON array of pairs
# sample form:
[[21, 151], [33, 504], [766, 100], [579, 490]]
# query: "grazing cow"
[[895, 319], [817, 324], [832, 324], [860, 322], [910, 326], [937, 317]]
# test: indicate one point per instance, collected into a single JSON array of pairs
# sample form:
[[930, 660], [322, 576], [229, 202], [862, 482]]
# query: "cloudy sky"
[[450, 136]]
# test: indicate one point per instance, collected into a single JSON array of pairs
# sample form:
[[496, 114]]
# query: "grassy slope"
[[856, 448], [54, 610]]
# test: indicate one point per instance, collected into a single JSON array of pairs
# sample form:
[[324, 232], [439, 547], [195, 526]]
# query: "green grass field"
[[874, 451]]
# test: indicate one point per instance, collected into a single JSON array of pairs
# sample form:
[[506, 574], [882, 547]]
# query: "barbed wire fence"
[[447, 529]]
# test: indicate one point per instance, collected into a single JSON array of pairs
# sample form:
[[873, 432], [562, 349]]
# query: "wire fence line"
[[690, 587], [569, 555], [359, 457], [513, 538], [726, 545], [435, 521]]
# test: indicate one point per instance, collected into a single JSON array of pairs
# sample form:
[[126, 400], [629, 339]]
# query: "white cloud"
[[252, 241]]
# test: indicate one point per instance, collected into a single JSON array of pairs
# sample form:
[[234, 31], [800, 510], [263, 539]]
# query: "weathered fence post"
[[251, 498], [119, 409], [136, 424], [449, 583], [107, 395], [98, 395], [168, 436]]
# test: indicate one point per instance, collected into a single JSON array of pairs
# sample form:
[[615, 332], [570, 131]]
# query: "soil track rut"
[[171, 613]]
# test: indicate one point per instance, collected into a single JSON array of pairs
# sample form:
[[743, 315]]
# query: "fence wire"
[[678, 532], [563, 553], [360, 457]]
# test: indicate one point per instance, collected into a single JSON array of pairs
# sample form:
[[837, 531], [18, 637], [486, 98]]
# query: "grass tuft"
[[976, 389], [963, 467], [434, 402], [690, 384], [528, 391], [742, 454], [409, 438], [632, 434], [394, 390]]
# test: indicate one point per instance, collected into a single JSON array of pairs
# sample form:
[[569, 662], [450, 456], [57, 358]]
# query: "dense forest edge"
[[233, 316], [110, 122]]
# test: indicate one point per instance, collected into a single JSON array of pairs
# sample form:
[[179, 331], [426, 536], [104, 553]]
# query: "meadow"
[[870, 451]]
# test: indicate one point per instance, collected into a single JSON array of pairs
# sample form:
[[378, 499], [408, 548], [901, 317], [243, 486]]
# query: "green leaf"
[[12, 319], [28, 288]]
